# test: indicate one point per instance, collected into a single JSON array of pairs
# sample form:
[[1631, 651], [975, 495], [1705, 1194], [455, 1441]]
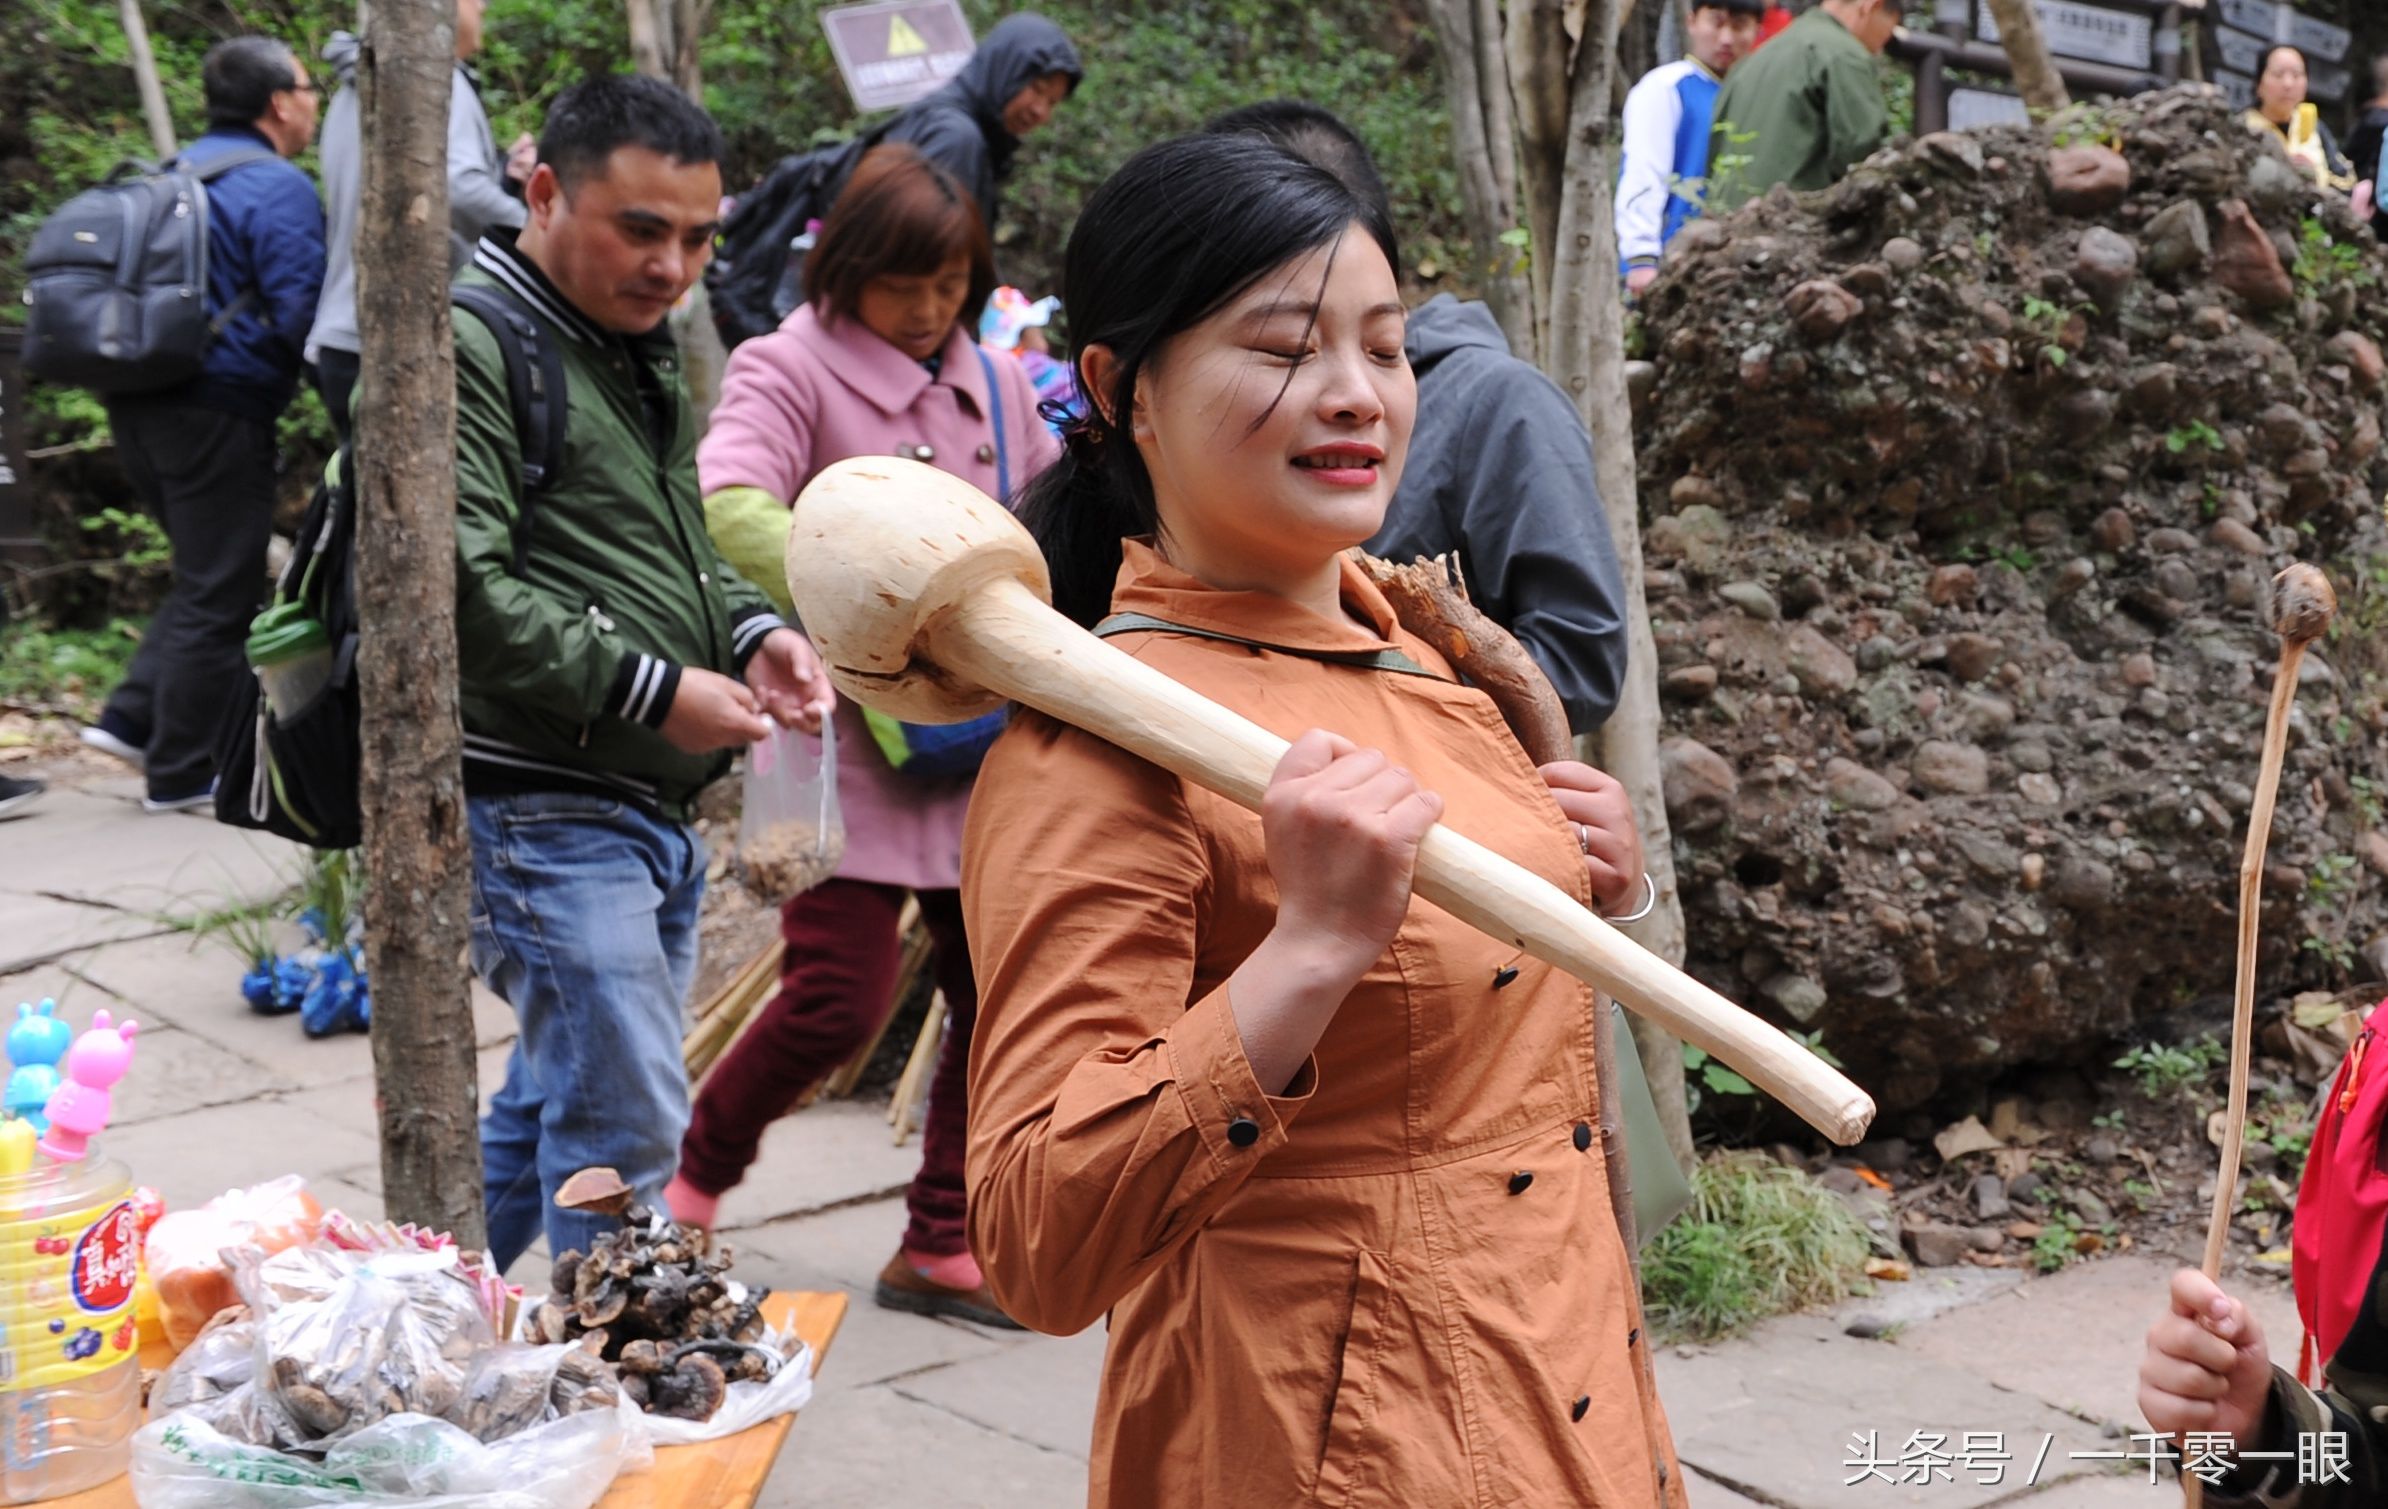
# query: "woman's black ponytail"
[[1180, 230]]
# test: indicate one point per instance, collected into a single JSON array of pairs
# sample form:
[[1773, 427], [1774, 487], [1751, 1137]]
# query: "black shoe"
[[181, 801], [16, 795]]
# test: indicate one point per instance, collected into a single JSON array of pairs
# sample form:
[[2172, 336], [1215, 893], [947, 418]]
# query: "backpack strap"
[[1003, 460], [216, 168], [239, 157], [1367, 660], [535, 389]]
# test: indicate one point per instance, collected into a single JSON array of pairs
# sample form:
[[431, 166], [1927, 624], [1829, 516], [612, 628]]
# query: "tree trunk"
[[1585, 354], [664, 38], [145, 75], [1538, 54], [2027, 50], [651, 48], [417, 853], [1476, 75], [688, 30]]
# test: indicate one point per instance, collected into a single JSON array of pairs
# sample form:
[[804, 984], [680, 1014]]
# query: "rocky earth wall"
[[1962, 483]]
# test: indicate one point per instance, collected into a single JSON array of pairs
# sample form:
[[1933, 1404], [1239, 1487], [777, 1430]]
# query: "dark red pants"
[[834, 989]]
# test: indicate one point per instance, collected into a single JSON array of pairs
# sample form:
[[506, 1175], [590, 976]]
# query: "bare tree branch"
[[2027, 50]]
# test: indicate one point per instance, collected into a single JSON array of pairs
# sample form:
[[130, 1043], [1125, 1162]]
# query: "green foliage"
[[2195, 432], [2337, 954], [2333, 876], [69, 669], [246, 929], [772, 83], [2164, 1069], [2367, 799], [2323, 263], [334, 889], [2086, 125], [2047, 322], [1728, 169], [1759, 1239], [1898, 94], [2059, 1240], [1712, 1076]]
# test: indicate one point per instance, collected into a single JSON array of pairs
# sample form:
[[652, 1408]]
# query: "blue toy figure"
[[35, 1045]]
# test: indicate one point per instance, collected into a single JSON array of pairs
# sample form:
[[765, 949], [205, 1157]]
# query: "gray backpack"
[[116, 280]]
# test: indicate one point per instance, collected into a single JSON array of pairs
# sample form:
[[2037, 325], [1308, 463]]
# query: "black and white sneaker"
[[112, 741], [187, 801], [17, 795]]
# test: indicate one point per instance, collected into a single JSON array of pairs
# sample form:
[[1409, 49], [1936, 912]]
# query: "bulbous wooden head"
[[879, 549]]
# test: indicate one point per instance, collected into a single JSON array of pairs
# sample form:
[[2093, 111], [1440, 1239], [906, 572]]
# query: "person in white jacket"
[[1667, 121], [484, 191]]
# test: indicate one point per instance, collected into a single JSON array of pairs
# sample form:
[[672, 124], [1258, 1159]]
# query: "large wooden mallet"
[[929, 602]]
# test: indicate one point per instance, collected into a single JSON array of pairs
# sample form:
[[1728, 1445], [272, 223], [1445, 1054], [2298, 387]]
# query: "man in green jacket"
[[605, 681], [1805, 107]]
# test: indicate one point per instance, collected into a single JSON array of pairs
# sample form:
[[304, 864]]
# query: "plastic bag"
[[345, 1340], [790, 835], [184, 1256], [746, 1404], [183, 1463]]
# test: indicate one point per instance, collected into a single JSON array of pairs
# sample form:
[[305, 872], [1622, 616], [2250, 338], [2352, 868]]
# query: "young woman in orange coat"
[[1325, 1157]]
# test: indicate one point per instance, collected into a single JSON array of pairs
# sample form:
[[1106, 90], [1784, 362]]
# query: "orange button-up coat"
[[1399, 1284]]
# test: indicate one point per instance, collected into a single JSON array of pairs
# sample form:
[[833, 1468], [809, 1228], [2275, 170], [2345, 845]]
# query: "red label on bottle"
[[107, 1261]]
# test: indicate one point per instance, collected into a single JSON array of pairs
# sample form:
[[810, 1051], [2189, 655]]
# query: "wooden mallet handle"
[[927, 600]]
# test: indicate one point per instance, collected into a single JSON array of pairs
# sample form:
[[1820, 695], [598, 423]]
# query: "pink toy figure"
[[83, 1103]]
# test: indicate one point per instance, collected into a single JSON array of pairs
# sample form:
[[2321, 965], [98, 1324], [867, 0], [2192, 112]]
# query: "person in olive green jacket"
[[604, 682], [1805, 107]]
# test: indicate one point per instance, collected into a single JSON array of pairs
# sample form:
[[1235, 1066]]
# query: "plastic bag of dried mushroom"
[[790, 833], [655, 1299], [376, 1377]]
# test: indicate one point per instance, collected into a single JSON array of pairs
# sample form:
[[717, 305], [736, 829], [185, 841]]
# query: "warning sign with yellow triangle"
[[902, 39]]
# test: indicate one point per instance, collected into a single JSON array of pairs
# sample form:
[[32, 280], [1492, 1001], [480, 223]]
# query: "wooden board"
[[724, 1474]]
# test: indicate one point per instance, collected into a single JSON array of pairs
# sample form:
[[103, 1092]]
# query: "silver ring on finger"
[[1583, 836]]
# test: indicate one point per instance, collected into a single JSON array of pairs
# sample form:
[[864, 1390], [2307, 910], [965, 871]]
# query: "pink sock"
[[691, 1206], [957, 1270]]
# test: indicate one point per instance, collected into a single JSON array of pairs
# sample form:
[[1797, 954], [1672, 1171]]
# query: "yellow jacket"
[[2309, 145]]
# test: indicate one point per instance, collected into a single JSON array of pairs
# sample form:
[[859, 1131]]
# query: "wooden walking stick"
[[928, 601], [2302, 603]]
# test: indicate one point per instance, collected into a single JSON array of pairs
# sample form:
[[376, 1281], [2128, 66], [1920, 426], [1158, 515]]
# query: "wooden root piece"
[[929, 602], [1430, 598]]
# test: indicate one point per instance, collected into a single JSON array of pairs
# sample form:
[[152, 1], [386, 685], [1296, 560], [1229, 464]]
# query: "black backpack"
[[295, 771], [756, 278], [116, 280]]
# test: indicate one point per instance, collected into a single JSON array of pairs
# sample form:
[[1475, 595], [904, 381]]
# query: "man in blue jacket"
[[201, 456]]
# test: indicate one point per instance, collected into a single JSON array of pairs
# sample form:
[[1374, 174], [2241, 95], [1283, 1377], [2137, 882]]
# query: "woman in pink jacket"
[[880, 362]]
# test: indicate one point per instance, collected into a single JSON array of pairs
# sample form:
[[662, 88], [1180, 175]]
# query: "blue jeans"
[[585, 921]]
